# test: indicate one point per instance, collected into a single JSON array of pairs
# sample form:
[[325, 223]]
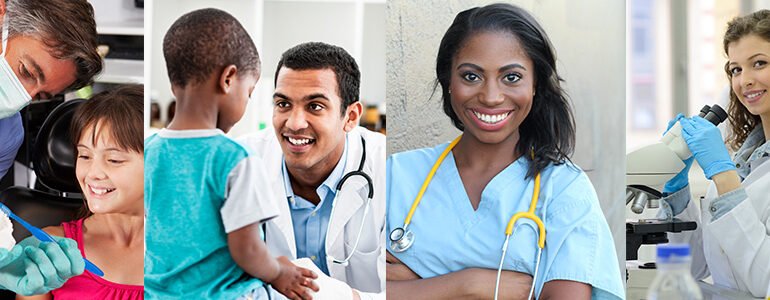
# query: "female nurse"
[[732, 242], [497, 73]]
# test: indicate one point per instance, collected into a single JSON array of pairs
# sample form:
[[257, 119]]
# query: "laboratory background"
[[588, 37], [275, 26], [674, 64]]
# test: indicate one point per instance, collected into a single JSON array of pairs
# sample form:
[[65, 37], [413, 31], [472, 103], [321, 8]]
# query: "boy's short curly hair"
[[204, 41]]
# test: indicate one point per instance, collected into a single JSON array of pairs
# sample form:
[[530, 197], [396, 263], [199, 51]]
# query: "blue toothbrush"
[[44, 237]]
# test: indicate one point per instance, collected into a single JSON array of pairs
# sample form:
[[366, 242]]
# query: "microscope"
[[647, 170]]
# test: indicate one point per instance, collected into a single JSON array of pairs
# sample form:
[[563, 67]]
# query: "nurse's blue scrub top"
[[451, 236]]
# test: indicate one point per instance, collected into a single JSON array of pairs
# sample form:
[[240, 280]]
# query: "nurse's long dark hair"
[[549, 129]]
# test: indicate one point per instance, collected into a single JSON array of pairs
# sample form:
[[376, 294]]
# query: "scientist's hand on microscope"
[[706, 144], [681, 179]]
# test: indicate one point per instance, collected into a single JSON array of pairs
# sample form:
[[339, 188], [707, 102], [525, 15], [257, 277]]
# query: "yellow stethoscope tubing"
[[530, 215], [428, 180], [509, 229]]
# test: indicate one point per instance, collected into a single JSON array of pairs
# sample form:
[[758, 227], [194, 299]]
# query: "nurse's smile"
[[489, 119]]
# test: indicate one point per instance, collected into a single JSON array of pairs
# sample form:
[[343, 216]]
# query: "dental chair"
[[56, 196]]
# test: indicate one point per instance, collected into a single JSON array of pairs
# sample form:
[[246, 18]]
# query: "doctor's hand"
[[294, 282], [681, 179], [32, 268], [706, 144]]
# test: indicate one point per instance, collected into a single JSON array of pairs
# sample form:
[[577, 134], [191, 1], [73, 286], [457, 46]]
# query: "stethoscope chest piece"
[[401, 240]]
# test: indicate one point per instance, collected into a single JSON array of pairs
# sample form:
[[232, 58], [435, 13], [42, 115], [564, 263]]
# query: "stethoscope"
[[370, 187], [402, 238]]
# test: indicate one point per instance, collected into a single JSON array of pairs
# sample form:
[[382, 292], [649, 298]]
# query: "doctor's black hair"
[[742, 122], [205, 41], [316, 56], [549, 128]]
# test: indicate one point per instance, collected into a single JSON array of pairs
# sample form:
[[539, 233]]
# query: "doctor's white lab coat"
[[734, 249], [366, 270]]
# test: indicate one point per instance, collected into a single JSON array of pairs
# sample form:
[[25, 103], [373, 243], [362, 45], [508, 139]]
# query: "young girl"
[[107, 132]]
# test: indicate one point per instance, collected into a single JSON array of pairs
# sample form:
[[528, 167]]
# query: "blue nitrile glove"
[[706, 144], [33, 268], [681, 179]]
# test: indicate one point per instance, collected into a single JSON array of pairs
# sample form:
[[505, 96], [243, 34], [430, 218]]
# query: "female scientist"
[[732, 241], [497, 73]]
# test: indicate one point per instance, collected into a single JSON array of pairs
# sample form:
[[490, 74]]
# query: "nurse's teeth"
[[298, 141], [491, 119]]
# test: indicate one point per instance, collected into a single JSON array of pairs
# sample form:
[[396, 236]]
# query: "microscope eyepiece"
[[715, 115], [704, 111]]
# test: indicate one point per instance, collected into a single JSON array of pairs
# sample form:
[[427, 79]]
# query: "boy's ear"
[[227, 78], [353, 112]]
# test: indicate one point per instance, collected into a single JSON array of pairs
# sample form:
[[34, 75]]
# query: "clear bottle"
[[674, 280]]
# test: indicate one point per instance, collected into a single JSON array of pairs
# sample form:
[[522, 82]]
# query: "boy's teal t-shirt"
[[188, 180]]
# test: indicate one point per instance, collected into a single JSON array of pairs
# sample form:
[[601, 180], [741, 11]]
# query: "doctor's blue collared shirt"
[[311, 221]]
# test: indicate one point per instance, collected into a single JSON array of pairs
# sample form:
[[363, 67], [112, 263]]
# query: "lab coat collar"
[[327, 186], [752, 153], [349, 200], [353, 193]]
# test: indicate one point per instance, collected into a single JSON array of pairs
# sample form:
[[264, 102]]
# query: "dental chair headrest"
[[53, 153]]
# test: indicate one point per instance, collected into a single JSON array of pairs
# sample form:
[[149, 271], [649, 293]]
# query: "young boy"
[[204, 211]]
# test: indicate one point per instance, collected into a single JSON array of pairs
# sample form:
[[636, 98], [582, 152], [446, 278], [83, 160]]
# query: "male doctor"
[[316, 143]]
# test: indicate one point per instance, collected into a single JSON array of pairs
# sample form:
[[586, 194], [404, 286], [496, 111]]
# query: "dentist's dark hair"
[[66, 27], [742, 122], [549, 129]]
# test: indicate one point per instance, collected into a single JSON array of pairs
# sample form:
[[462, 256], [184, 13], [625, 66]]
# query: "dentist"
[[316, 144], [49, 46]]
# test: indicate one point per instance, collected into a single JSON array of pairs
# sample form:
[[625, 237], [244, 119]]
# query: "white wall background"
[[358, 26], [589, 38]]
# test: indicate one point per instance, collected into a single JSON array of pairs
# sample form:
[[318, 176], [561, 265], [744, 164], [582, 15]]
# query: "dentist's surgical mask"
[[13, 96]]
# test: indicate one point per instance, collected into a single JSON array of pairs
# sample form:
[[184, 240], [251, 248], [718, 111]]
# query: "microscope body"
[[647, 171]]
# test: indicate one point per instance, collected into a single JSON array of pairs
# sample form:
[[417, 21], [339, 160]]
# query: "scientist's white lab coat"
[[734, 249], [366, 270]]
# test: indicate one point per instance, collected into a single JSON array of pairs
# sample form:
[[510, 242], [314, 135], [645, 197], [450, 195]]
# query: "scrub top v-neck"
[[450, 236]]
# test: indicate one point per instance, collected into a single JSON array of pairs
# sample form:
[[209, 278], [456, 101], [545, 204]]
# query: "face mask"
[[13, 96]]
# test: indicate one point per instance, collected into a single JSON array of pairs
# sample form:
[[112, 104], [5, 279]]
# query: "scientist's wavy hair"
[[317, 55], [66, 27], [742, 122], [205, 41], [549, 129]]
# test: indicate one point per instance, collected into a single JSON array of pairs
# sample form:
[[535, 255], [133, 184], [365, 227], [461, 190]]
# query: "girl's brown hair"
[[742, 122], [122, 109]]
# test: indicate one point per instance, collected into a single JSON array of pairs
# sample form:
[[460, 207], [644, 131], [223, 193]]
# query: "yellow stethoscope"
[[402, 239]]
